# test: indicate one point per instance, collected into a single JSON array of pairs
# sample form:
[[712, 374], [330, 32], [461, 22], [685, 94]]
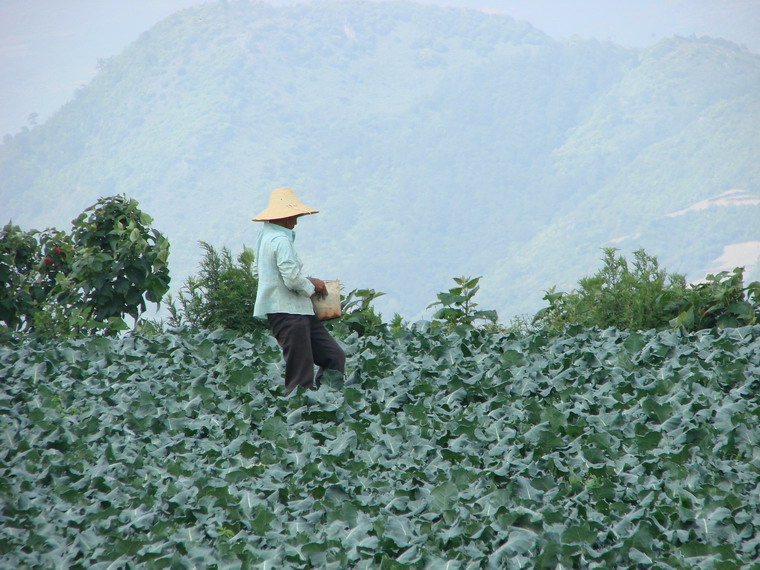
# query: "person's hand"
[[320, 289]]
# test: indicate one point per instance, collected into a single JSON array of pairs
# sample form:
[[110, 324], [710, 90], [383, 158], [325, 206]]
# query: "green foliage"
[[720, 301], [397, 323], [637, 297], [521, 325], [120, 260], [445, 448], [222, 295], [30, 263], [458, 306], [358, 315], [645, 297], [60, 286]]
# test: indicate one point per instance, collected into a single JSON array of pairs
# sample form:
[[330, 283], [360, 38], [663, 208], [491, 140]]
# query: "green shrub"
[[637, 297], [358, 314], [222, 295], [643, 296], [29, 265], [120, 262], [720, 301], [58, 285]]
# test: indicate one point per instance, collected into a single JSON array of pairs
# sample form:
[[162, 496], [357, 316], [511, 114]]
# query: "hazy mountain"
[[436, 142], [48, 49]]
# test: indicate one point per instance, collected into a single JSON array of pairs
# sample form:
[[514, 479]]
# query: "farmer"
[[284, 295]]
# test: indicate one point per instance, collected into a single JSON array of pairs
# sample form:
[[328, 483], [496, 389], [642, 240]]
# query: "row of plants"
[[60, 285], [635, 296], [443, 448]]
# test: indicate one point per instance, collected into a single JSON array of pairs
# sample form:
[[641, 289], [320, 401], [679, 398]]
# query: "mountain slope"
[[435, 142], [667, 136]]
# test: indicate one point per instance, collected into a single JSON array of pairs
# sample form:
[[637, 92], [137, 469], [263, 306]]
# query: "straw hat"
[[283, 204]]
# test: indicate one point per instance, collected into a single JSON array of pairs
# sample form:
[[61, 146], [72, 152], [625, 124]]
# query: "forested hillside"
[[435, 142]]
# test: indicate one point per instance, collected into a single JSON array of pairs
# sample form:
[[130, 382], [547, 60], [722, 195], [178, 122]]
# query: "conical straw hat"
[[283, 203]]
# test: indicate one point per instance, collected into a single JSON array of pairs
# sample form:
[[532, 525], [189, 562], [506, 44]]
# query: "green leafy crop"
[[461, 448]]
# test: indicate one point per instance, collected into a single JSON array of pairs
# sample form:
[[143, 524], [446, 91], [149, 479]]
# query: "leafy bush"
[[458, 305], [61, 286], [222, 295], [720, 301], [640, 297], [455, 448], [644, 296], [29, 265]]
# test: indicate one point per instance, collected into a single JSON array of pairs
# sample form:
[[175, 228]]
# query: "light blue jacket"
[[282, 286]]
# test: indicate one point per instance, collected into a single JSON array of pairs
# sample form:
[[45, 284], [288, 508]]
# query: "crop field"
[[442, 450]]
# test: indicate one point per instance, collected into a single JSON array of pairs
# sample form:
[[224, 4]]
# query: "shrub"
[[720, 301], [358, 314], [60, 285], [29, 265], [221, 295], [640, 297], [643, 296], [120, 261]]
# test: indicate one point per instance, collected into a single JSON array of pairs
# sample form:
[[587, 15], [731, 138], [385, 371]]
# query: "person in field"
[[284, 295]]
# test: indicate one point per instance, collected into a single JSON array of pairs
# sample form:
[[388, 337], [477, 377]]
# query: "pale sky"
[[49, 48]]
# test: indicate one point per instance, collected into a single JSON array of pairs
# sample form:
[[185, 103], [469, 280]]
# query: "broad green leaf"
[[635, 342], [512, 358], [399, 530], [273, 429], [578, 533], [444, 496]]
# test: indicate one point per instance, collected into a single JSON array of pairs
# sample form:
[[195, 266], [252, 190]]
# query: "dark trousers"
[[305, 342]]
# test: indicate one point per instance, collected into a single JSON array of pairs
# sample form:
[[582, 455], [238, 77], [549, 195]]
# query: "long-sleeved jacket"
[[282, 286]]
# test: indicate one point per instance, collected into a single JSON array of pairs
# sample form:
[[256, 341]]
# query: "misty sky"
[[49, 48]]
